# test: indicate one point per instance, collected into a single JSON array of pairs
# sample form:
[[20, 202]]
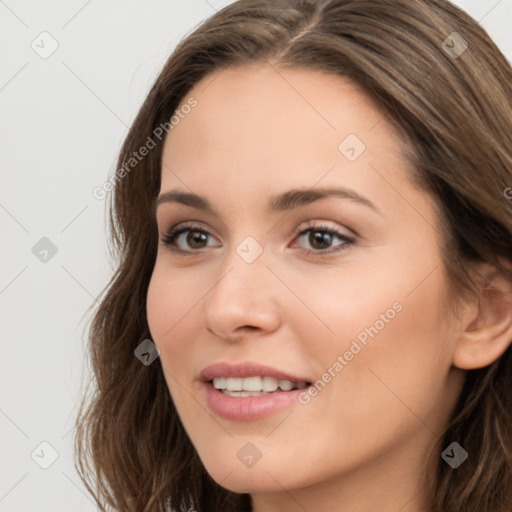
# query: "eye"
[[320, 238], [197, 238]]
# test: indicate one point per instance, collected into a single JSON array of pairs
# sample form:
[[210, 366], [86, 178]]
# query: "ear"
[[487, 321]]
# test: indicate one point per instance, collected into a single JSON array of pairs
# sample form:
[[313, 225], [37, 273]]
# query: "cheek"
[[171, 298], [169, 311], [389, 388], [377, 341], [159, 306], [173, 302]]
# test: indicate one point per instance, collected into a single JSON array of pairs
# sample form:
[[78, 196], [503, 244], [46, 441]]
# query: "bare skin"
[[361, 443]]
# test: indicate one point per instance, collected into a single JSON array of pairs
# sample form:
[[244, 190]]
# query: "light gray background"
[[63, 120]]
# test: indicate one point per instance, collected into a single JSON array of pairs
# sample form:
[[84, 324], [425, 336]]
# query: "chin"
[[242, 480], [268, 474]]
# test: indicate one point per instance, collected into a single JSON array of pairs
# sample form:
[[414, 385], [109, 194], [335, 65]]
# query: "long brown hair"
[[446, 86]]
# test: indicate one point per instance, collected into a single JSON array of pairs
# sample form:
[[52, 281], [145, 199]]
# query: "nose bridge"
[[242, 295], [244, 268]]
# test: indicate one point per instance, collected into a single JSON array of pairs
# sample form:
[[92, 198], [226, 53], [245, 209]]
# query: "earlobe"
[[487, 329]]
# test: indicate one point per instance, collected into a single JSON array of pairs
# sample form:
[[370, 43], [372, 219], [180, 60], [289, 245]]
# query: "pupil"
[[320, 237], [195, 238]]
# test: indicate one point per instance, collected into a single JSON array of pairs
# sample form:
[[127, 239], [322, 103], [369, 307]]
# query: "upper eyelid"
[[179, 228], [188, 225], [191, 224]]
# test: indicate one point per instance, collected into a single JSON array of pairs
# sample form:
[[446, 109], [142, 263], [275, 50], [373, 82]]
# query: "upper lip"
[[247, 369]]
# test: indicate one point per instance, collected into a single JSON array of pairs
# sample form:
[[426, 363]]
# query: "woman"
[[313, 304]]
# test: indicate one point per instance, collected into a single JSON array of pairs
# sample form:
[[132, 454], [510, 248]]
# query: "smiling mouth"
[[254, 386]]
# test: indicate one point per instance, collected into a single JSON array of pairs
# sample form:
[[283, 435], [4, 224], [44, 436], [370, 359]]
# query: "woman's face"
[[344, 293]]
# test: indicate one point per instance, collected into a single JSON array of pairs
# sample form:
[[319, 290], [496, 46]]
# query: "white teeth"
[[234, 386], [269, 384], [251, 384], [219, 383], [285, 385]]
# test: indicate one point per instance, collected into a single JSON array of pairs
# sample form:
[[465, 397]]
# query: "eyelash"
[[169, 239]]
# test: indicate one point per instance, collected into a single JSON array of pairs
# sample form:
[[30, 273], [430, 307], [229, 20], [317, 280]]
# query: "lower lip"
[[247, 408]]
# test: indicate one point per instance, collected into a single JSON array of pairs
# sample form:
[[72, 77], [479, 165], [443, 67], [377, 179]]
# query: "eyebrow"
[[283, 202]]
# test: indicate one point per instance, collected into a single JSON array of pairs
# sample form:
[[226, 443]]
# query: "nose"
[[243, 301]]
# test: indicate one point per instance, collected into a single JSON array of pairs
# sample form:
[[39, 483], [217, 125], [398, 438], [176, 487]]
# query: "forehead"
[[258, 123]]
